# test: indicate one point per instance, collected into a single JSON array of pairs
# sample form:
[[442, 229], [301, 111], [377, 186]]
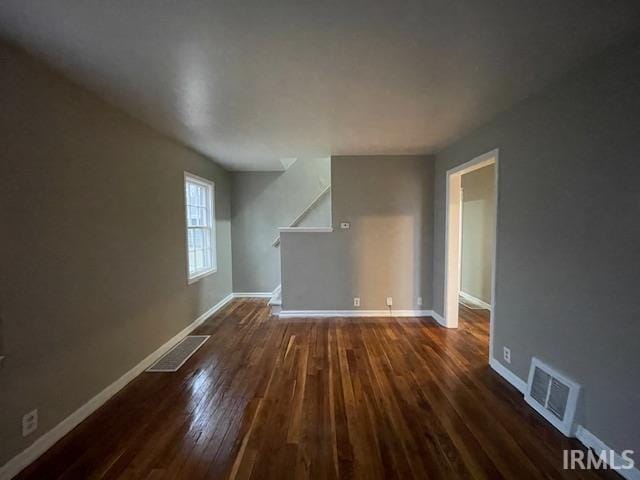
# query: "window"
[[201, 226]]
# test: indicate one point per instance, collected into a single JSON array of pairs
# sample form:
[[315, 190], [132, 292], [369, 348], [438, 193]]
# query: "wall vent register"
[[553, 395]]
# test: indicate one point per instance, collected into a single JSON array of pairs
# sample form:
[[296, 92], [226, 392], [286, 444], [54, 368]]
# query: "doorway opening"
[[478, 275]]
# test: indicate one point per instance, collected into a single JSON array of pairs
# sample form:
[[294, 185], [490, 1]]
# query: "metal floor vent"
[[178, 355]]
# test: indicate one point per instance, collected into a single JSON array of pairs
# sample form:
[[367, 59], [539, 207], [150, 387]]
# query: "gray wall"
[[93, 275], [387, 250], [261, 203], [478, 225], [568, 261]]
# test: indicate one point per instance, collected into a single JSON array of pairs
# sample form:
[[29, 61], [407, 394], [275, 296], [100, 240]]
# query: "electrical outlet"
[[345, 225], [389, 301], [29, 423], [419, 301], [356, 301], [506, 353]]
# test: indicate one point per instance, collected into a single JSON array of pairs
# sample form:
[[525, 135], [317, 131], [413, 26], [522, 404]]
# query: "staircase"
[[305, 212], [276, 297]]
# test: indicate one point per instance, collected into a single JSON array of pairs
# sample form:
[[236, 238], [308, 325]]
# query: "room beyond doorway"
[[477, 237], [454, 246]]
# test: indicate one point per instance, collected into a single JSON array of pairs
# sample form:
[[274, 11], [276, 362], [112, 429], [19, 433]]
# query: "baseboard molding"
[[473, 299], [439, 318], [252, 294], [48, 439], [587, 438], [355, 313], [508, 375]]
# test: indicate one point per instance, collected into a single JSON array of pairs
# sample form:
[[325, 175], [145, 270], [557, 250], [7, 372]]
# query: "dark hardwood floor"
[[324, 398]]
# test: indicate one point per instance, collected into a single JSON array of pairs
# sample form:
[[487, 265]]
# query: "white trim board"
[[587, 438], [252, 294], [508, 375], [471, 298], [361, 313], [356, 313], [305, 229], [48, 439], [439, 318]]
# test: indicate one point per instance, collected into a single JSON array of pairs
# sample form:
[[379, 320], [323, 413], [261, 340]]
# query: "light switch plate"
[[345, 225]]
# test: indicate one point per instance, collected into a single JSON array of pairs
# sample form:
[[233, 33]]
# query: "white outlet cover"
[[389, 301], [345, 225], [419, 301], [506, 354], [29, 422], [356, 301]]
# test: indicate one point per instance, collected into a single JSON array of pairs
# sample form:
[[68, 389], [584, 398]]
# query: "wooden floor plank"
[[318, 399]]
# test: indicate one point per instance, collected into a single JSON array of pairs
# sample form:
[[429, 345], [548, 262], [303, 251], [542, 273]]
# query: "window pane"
[[195, 217], [196, 195], [199, 260], [192, 194], [207, 258], [192, 265], [207, 238], [204, 221], [190, 244], [203, 197]]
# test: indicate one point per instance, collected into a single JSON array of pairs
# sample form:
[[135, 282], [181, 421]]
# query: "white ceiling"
[[251, 82]]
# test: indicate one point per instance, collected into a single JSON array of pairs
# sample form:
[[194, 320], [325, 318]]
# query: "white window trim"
[[214, 252]]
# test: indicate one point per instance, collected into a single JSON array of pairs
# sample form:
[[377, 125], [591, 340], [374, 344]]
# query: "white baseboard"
[[355, 313], [48, 439], [439, 318], [472, 299], [587, 438], [508, 375], [252, 294]]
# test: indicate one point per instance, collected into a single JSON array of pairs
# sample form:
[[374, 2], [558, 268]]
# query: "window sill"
[[200, 276]]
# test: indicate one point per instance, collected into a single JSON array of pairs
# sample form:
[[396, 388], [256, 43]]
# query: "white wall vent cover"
[[553, 396], [178, 355]]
